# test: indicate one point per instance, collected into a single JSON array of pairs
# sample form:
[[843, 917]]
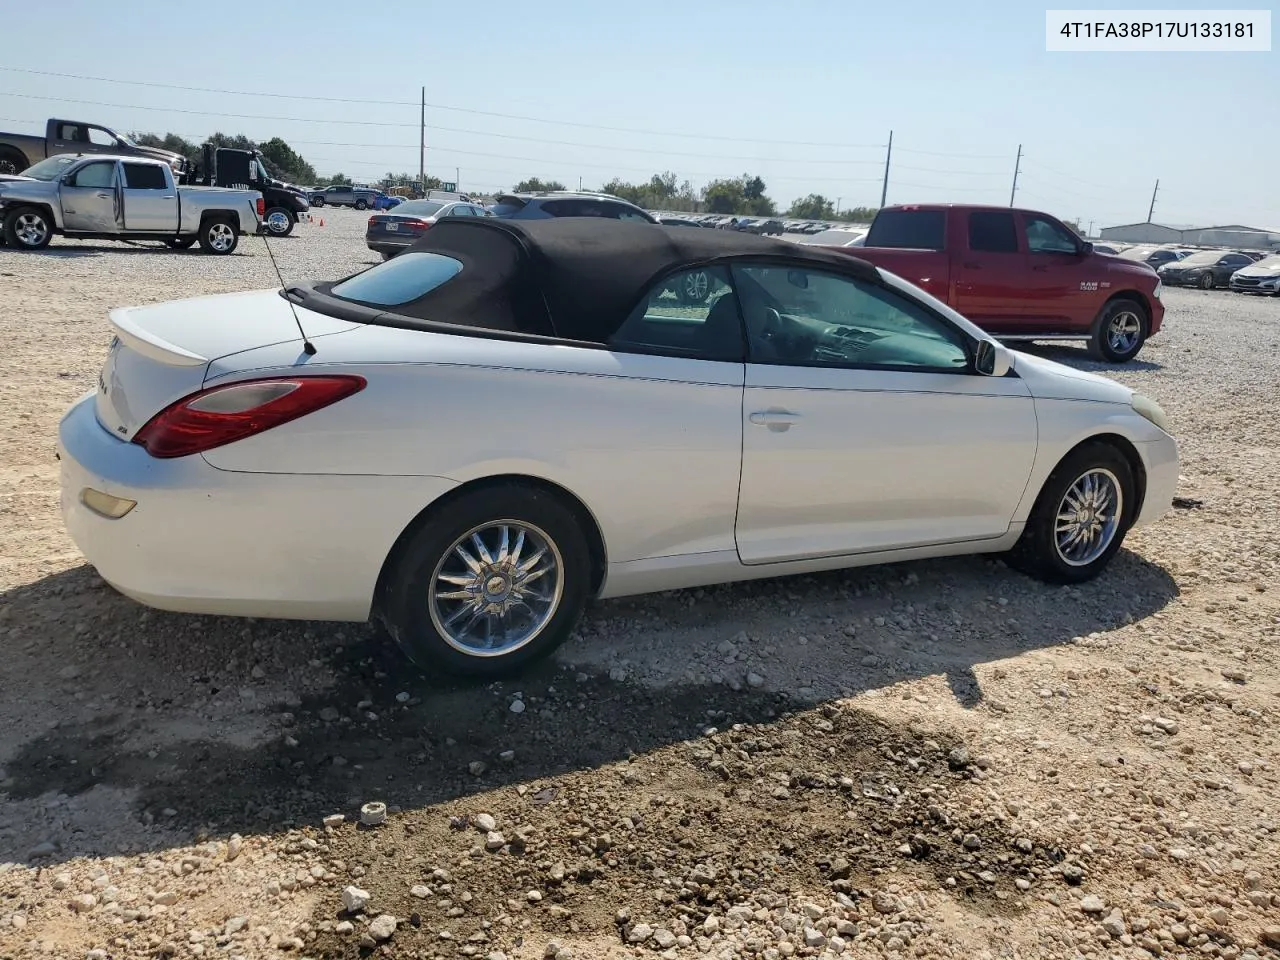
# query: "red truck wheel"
[[1119, 332]]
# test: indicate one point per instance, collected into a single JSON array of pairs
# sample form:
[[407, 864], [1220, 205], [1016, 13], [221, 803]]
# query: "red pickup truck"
[[1018, 274]]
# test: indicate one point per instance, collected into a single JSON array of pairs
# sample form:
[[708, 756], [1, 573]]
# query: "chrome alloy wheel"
[[1088, 517], [1123, 331], [496, 588], [697, 285], [31, 229], [221, 237], [278, 222]]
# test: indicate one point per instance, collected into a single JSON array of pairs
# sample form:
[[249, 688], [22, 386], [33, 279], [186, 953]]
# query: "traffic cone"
[[322, 221]]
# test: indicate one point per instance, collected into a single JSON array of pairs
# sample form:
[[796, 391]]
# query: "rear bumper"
[[389, 246], [205, 540]]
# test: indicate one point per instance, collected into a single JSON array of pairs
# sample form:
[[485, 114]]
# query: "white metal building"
[[1142, 233], [1230, 235]]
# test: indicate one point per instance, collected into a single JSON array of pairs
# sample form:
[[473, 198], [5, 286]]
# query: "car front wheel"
[[279, 221], [1080, 519], [494, 582], [28, 229]]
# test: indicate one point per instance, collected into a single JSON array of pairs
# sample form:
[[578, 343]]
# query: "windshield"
[[127, 141], [259, 171], [1269, 264], [49, 169], [1201, 259], [418, 208]]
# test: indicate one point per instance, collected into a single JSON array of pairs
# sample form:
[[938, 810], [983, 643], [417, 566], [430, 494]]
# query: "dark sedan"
[[1205, 269], [389, 233]]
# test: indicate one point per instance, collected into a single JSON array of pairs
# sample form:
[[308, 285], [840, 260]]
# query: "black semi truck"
[[244, 170]]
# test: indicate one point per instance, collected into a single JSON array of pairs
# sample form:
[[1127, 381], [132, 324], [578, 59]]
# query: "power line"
[[414, 103], [477, 133]]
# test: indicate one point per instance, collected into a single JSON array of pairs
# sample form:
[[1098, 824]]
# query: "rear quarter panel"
[[34, 149], [650, 449]]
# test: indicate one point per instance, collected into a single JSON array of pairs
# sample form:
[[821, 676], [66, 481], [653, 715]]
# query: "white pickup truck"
[[99, 197]]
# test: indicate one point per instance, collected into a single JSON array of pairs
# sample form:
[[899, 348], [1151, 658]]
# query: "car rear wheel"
[[387, 256], [279, 221], [28, 228], [317, 202], [1119, 332], [1080, 519], [490, 584], [1206, 280], [361, 205], [218, 235]]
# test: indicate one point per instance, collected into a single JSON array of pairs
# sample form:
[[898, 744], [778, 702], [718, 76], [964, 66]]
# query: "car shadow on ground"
[[85, 250], [1078, 356], [385, 732]]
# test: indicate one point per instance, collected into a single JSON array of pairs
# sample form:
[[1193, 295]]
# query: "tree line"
[[744, 195]]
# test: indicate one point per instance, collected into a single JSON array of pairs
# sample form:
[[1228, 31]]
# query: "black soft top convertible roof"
[[570, 278]]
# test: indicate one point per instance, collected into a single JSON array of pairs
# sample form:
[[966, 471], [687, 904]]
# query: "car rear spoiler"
[[148, 344]]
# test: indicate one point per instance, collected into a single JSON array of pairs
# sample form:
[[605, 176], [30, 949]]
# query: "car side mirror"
[[1086, 248], [992, 359]]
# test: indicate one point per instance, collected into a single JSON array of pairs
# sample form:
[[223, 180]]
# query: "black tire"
[[36, 227], [180, 243], [290, 221], [406, 608], [387, 256], [12, 161], [219, 236], [693, 287], [1114, 315], [1207, 280], [1037, 553], [361, 205]]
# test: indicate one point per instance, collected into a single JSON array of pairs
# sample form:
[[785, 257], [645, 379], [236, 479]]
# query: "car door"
[[864, 426], [990, 274], [150, 199], [1061, 284], [672, 406], [90, 198], [1228, 265]]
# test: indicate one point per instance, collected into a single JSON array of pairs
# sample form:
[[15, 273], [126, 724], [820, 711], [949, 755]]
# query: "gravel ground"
[[936, 759]]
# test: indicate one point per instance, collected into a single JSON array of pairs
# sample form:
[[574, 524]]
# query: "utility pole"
[[579, 184], [838, 199], [1152, 209], [1017, 165], [1091, 228], [884, 191], [457, 178], [422, 145]]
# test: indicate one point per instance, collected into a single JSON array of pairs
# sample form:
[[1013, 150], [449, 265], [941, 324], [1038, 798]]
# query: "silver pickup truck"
[[341, 195], [122, 198]]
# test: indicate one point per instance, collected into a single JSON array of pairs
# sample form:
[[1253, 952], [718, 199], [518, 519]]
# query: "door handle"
[[775, 420], [105, 196]]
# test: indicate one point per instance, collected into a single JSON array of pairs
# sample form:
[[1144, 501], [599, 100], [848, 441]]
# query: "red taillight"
[[212, 418], [262, 207], [416, 224], [372, 221]]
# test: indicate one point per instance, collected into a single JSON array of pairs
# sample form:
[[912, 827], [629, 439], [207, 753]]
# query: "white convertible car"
[[470, 440]]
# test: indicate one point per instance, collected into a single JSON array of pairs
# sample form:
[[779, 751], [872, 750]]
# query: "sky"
[[803, 93]]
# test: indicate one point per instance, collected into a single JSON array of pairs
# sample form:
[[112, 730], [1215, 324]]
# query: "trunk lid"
[[162, 353]]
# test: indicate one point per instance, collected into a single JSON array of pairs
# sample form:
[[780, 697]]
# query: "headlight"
[[1148, 408], [1158, 290]]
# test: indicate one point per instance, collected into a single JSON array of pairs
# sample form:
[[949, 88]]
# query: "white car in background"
[[468, 441]]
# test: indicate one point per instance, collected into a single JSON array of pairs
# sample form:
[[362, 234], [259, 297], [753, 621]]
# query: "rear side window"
[[407, 277], [144, 176], [909, 229], [992, 232], [506, 208]]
